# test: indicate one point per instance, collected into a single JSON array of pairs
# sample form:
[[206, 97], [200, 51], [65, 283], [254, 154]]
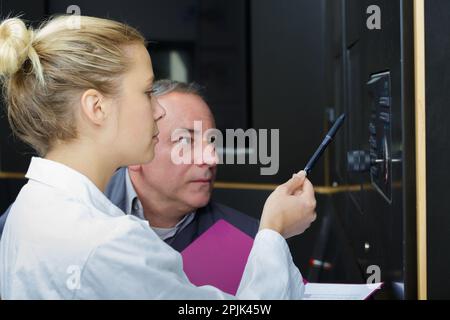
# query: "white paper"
[[329, 291]]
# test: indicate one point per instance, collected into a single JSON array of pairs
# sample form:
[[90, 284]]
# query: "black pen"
[[330, 135]]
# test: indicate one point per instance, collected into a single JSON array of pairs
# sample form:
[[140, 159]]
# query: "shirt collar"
[[72, 182], [131, 199], [166, 233], [130, 194]]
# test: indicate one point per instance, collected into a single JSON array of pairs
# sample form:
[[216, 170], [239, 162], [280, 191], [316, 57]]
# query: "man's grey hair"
[[162, 87]]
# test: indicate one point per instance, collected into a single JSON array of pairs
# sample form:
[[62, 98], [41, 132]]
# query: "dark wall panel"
[[288, 79], [437, 53]]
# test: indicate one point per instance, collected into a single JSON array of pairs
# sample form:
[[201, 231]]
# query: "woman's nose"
[[159, 111]]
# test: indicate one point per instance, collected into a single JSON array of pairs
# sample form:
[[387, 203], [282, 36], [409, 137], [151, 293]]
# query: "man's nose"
[[209, 155]]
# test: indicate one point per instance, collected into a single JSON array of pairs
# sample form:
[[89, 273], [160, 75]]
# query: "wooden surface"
[[419, 59]]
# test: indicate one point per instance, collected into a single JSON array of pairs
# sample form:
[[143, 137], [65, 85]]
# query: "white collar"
[[71, 182]]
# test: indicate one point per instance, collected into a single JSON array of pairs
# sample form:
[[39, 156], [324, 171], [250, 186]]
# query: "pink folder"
[[218, 257]]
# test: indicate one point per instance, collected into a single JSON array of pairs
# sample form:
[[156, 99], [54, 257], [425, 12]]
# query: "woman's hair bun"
[[15, 46]]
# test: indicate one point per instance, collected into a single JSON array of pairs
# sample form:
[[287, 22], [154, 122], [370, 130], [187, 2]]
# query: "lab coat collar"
[[72, 182]]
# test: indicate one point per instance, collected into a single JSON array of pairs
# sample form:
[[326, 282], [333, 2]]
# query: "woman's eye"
[[150, 93]]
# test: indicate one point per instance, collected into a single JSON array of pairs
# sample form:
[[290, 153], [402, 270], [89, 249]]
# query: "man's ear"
[[93, 106], [135, 168]]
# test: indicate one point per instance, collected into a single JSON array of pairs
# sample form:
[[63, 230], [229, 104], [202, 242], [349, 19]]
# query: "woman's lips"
[[155, 137]]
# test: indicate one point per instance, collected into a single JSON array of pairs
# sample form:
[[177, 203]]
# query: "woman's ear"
[[94, 107]]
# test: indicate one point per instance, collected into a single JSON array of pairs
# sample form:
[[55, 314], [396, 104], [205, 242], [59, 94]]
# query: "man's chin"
[[199, 202]]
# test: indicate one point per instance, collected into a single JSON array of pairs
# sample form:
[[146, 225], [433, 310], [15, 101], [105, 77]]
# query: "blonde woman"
[[82, 98]]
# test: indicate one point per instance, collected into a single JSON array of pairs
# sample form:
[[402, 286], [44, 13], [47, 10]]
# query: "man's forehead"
[[182, 100], [183, 109], [191, 125]]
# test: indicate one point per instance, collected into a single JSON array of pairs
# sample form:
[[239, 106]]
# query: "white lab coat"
[[65, 240]]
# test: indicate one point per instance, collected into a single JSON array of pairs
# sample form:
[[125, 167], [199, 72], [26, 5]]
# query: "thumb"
[[296, 182]]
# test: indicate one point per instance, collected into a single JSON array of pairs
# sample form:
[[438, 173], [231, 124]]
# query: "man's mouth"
[[202, 180]]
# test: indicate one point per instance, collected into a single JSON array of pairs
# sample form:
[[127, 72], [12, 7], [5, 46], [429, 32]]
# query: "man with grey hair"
[[175, 198]]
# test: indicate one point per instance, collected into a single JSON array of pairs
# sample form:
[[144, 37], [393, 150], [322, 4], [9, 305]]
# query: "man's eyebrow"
[[189, 129]]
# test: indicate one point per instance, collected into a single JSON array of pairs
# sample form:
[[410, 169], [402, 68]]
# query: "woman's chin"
[[149, 157], [143, 158]]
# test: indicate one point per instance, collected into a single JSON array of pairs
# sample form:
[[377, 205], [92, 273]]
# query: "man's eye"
[[185, 140], [150, 93]]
